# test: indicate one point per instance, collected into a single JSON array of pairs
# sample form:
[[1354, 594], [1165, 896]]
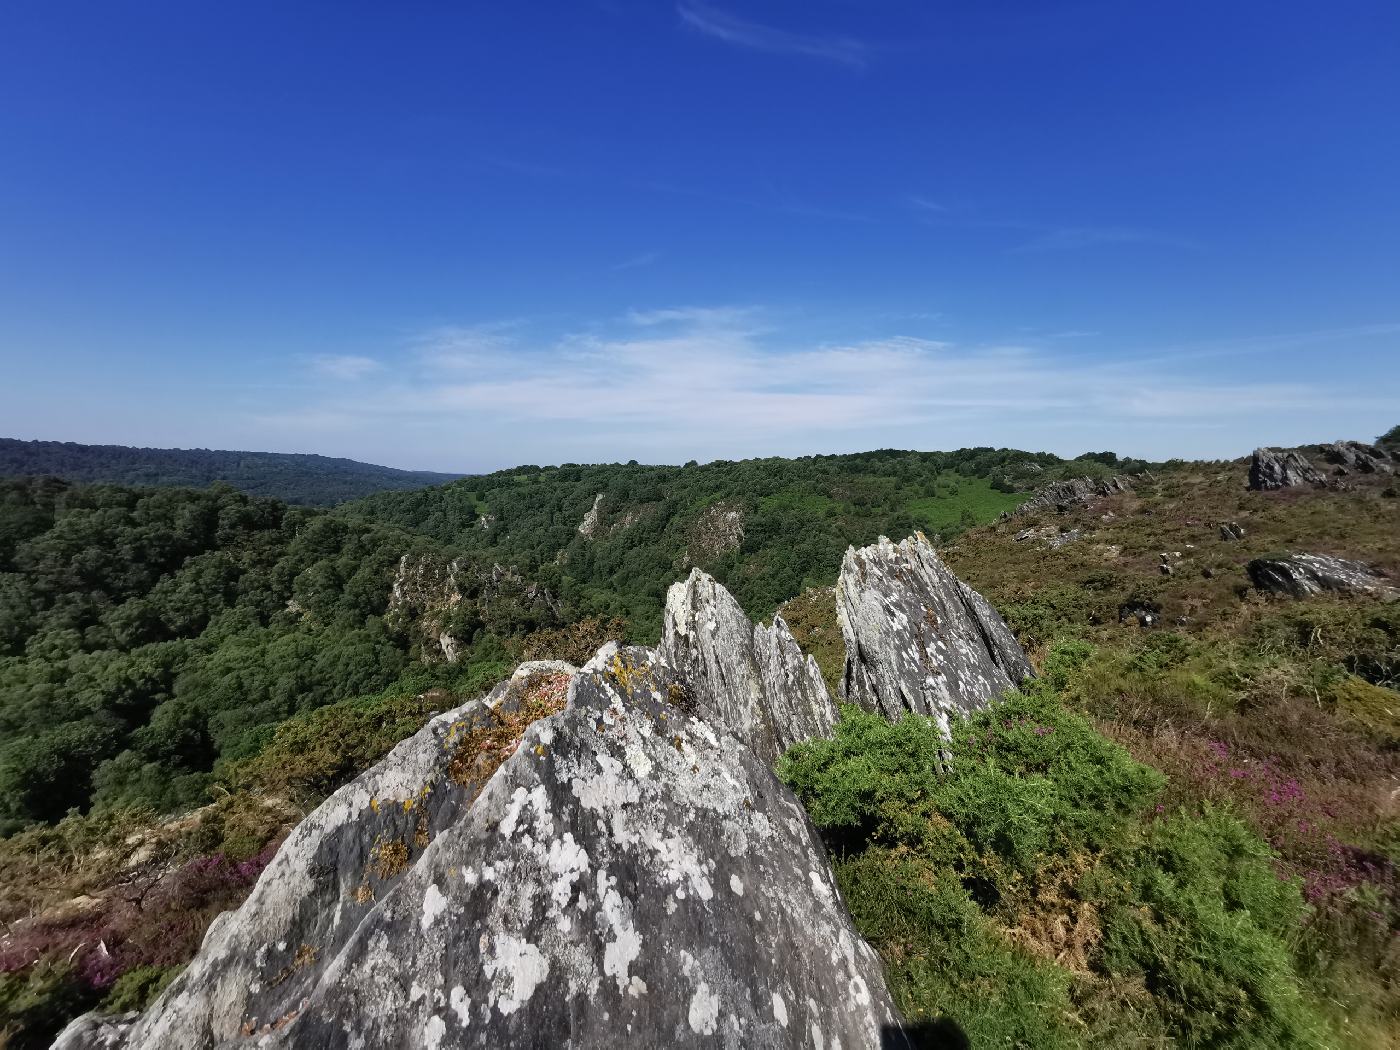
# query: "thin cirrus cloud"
[[707, 382], [344, 366], [740, 32], [636, 261]]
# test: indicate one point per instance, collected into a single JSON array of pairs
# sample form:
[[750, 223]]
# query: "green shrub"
[[1199, 915], [137, 989], [946, 962], [36, 1002]]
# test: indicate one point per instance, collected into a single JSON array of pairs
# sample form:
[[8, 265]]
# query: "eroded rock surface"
[[1063, 496], [918, 638], [618, 872], [1303, 575], [1273, 468], [753, 679]]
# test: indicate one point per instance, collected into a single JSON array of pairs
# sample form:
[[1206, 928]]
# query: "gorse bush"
[[1022, 882]]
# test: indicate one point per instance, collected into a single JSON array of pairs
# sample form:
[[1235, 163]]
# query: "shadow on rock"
[[943, 1034]]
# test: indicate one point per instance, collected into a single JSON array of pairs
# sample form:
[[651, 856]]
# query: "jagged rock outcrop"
[[592, 526], [588, 527], [1354, 456], [1066, 495], [1303, 575], [719, 528], [752, 678], [625, 870], [918, 638], [427, 591], [1273, 468], [1049, 535]]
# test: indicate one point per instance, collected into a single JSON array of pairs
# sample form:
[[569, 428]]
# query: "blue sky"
[[464, 236]]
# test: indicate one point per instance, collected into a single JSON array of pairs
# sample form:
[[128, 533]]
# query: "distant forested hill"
[[147, 633], [309, 481], [610, 539]]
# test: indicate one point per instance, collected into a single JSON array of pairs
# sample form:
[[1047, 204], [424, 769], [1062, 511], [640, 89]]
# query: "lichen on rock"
[[918, 638]]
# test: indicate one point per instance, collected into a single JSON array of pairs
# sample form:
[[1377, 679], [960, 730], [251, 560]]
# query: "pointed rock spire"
[[918, 638], [753, 681]]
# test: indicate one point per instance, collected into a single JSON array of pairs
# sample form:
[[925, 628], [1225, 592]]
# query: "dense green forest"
[[766, 528], [148, 634], [151, 636], [303, 480]]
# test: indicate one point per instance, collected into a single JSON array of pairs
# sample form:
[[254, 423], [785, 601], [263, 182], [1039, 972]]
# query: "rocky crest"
[[918, 638], [1273, 468], [1304, 575], [1063, 496], [581, 858], [1354, 456], [749, 677]]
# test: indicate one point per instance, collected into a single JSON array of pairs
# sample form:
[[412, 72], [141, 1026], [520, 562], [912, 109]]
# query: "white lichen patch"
[[461, 1005], [434, 904], [703, 1014], [433, 1032], [516, 969], [780, 1013], [736, 885]]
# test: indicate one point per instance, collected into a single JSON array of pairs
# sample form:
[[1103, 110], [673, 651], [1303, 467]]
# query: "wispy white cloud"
[[690, 382], [740, 32], [635, 261], [1071, 237], [707, 317], [923, 204], [344, 366]]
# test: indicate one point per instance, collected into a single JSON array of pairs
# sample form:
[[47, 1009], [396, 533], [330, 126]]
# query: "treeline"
[[303, 480], [797, 516], [147, 634]]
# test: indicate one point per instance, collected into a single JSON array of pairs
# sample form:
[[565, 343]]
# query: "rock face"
[[918, 638], [588, 527], [1275, 469], [754, 679], [1065, 495], [719, 528], [622, 870], [1302, 575], [1353, 456], [428, 590]]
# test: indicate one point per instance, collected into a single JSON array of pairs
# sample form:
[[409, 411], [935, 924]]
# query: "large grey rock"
[[631, 874], [1354, 456], [1063, 496], [751, 678], [1303, 575], [1273, 468], [918, 638]]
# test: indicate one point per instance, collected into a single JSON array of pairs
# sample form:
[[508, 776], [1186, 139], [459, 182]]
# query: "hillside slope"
[[610, 539], [303, 480]]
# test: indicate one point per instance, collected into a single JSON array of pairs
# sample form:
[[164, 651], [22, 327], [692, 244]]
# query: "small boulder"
[[1231, 530], [1303, 575]]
